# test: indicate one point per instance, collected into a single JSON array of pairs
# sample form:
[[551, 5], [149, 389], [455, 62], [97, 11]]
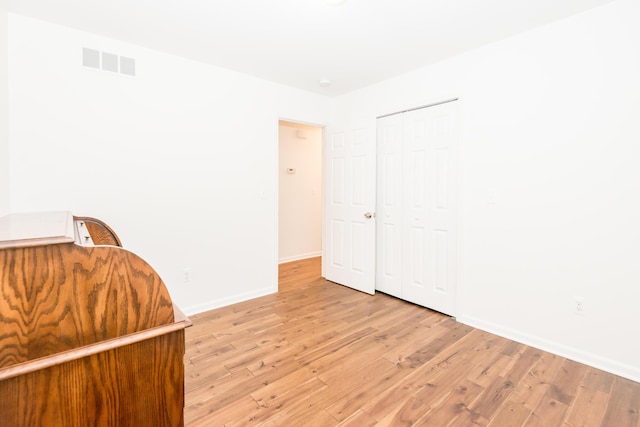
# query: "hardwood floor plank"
[[436, 347], [565, 384], [528, 392], [596, 379], [211, 397], [355, 380], [355, 400], [320, 419], [456, 405], [484, 373], [512, 413], [244, 359], [359, 354], [316, 357], [499, 391], [623, 409], [425, 385], [202, 375], [493, 397], [309, 409], [321, 354], [554, 404], [229, 413], [535, 384], [359, 419], [272, 406], [588, 409], [549, 412], [387, 404], [281, 386], [414, 342]]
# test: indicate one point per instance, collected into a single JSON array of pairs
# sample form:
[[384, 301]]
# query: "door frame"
[[322, 189]]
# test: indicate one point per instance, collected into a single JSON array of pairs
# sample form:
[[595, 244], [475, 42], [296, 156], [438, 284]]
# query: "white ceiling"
[[299, 42]]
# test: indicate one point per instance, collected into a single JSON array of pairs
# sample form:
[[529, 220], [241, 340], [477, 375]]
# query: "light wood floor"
[[320, 354]]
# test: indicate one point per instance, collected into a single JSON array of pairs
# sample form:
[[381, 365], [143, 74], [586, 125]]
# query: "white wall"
[[551, 124], [181, 160], [4, 113], [300, 199]]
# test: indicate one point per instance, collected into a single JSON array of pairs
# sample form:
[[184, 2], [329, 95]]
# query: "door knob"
[[369, 215]]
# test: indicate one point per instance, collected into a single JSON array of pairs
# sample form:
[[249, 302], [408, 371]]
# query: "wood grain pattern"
[[136, 385], [60, 297], [91, 349], [89, 336], [320, 354]]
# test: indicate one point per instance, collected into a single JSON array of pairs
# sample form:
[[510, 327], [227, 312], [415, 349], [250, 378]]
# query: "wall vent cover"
[[108, 62]]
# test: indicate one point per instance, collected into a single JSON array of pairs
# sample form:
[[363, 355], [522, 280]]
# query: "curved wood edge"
[[70, 296], [101, 224], [99, 347]]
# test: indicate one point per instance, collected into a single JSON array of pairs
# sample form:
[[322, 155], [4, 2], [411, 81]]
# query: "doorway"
[[299, 191]]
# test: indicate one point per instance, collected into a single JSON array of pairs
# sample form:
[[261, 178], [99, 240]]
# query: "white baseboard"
[[223, 302], [299, 257], [605, 364]]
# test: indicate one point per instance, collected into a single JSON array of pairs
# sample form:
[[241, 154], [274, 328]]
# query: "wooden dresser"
[[89, 335]]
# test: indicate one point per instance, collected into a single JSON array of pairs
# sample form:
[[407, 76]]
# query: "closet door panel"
[[389, 205], [430, 205], [417, 206], [417, 198]]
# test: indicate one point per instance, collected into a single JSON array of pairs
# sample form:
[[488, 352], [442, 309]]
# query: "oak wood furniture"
[[89, 335], [92, 230]]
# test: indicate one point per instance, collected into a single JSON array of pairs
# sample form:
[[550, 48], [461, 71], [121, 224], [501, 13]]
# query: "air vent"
[[127, 66], [90, 58], [108, 62]]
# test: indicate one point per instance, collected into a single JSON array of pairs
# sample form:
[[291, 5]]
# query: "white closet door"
[[390, 134], [349, 216], [416, 209], [430, 207]]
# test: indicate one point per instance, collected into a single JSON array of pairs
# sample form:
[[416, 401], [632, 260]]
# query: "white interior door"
[[349, 216], [390, 137], [430, 207], [417, 206]]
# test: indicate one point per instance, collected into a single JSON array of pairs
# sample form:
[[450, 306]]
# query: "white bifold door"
[[349, 217], [416, 256]]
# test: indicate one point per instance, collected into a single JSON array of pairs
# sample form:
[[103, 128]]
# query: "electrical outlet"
[[578, 305], [186, 275]]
